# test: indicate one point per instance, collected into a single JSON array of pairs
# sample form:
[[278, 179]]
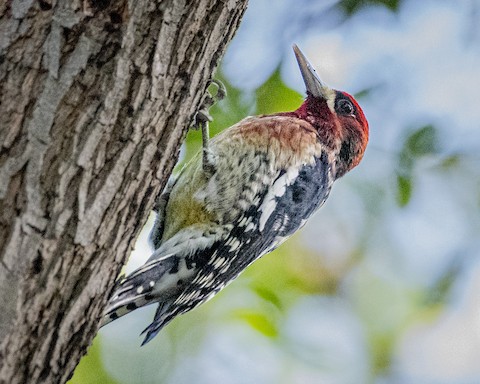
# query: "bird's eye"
[[345, 107]]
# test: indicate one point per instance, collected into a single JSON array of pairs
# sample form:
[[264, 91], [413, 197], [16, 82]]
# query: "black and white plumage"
[[269, 175]]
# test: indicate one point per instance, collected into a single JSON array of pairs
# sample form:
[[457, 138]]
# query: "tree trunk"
[[95, 99]]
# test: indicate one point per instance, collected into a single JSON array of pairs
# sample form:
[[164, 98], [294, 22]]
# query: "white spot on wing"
[[276, 190], [267, 209], [234, 245], [169, 280], [219, 262]]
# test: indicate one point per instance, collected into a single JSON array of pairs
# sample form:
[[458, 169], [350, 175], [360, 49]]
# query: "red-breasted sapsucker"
[[256, 184]]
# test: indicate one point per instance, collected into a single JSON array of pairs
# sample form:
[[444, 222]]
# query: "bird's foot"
[[202, 120], [209, 99]]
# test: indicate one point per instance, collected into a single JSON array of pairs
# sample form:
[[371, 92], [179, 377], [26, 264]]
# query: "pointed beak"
[[314, 85]]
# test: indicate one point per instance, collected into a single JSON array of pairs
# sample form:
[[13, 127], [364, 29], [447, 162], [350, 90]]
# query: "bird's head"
[[336, 116]]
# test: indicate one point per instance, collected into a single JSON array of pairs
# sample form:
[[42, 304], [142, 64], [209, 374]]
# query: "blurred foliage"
[[419, 143], [264, 323], [352, 6], [274, 96], [404, 189], [438, 294], [90, 370]]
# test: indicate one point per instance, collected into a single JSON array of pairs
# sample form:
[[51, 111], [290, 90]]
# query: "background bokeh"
[[383, 284]]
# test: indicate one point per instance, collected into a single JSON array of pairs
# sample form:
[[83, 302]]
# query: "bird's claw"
[[203, 115], [202, 120]]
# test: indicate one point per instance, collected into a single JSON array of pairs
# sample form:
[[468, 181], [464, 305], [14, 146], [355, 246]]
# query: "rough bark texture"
[[95, 98]]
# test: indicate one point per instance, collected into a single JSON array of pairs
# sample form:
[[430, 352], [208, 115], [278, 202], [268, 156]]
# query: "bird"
[[251, 187]]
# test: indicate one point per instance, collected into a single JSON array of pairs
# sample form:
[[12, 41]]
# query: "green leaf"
[[450, 161], [352, 6], [423, 141], [363, 93], [382, 352], [268, 295], [439, 292], [404, 190], [274, 96], [259, 322]]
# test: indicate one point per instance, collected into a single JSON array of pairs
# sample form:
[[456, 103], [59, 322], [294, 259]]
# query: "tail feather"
[[158, 322], [143, 286], [129, 296], [128, 305], [132, 292]]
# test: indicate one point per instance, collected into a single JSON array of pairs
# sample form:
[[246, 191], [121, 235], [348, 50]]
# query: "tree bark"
[[95, 99]]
